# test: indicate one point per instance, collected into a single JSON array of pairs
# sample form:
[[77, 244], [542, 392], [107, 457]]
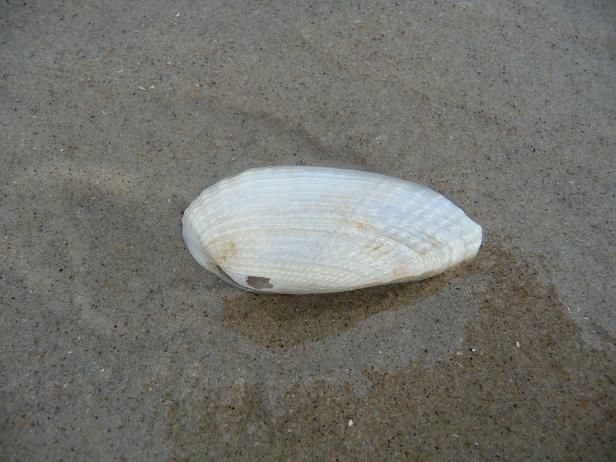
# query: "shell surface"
[[302, 230]]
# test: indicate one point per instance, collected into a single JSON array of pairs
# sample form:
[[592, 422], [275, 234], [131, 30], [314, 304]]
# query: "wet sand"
[[116, 345]]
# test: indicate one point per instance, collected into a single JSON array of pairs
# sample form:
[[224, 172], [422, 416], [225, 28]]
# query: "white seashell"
[[298, 230]]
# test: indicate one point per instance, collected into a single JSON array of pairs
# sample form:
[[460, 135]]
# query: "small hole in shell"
[[258, 282]]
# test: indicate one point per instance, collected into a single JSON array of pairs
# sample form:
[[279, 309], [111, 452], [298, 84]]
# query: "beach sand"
[[116, 345]]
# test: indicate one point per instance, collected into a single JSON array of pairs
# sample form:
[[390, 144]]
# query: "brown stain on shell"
[[400, 272], [226, 253]]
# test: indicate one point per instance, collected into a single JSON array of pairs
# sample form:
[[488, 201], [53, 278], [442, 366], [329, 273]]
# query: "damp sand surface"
[[116, 345]]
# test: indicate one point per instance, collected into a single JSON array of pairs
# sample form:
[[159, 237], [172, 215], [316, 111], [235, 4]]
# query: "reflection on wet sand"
[[288, 320]]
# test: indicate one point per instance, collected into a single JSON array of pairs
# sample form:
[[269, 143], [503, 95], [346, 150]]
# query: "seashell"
[[299, 230]]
